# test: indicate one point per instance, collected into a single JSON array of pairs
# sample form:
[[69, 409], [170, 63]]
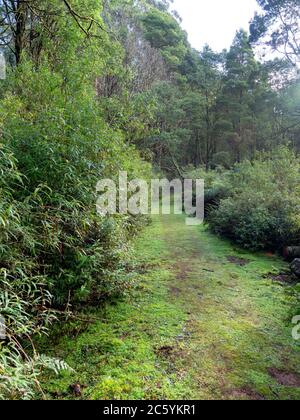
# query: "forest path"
[[206, 321], [236, 341]]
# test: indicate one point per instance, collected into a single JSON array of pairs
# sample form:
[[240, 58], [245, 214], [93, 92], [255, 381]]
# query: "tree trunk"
[[21, 14]]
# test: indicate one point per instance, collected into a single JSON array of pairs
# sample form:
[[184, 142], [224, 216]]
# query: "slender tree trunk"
[[21, 14], [208, 134]]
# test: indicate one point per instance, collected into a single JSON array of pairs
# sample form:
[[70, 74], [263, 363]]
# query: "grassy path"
[[205, 322]]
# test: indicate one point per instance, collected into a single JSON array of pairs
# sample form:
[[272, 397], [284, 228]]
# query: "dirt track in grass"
[[206, 321], [238, 327]]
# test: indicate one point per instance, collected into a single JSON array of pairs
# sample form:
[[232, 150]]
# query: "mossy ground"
[[197, 326]]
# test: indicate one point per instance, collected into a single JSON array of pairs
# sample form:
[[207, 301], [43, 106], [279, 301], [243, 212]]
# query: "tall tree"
[[210, 82], [279, 26], [163, 32], [24, 23], [235, 104]]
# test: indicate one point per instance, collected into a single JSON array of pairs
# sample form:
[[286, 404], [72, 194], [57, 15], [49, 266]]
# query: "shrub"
[[222, 159], [214, 182], [263, 203], [56, 252], [24, 295]]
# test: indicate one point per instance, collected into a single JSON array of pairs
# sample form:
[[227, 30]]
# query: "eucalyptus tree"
[[24, 24], [279, 27]]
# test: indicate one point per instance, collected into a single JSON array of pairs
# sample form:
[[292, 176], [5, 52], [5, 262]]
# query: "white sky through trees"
[[214, 21]]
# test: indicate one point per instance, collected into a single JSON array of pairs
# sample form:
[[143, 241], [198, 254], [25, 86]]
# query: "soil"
[[241, 262], [285, 378]]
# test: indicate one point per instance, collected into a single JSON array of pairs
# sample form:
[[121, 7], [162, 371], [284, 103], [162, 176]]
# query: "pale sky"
[[214, 21]]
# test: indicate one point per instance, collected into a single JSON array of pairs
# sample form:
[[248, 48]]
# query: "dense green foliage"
[[55, 145], [216, 108], [262, 202]]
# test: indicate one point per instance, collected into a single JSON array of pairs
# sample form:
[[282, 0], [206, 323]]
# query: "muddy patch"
[[247, 394], [169, 353], [285, 378], [241, 262], [282, 278], [165, 352]]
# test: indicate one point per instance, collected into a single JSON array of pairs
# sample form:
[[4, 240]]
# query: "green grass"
[[196, 326]]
